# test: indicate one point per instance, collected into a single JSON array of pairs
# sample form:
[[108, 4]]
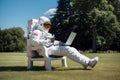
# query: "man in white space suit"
[[41, 36]]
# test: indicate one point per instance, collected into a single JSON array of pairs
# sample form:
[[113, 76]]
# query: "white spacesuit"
[[41, 36]]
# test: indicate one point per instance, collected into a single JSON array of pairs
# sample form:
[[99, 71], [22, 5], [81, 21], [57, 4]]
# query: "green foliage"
[[60, 21], [116, 5], [98, 18], [12, 39], [116, 42], [106, 27], [100, 14]]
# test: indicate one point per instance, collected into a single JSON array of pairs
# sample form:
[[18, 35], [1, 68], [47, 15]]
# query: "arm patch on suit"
[[35, 34]]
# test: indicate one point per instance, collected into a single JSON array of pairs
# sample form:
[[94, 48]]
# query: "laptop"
[[68, 42], [71, 38]]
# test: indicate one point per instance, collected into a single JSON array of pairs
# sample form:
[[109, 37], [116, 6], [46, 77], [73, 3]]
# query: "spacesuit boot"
[[77, 57], [93, 62]]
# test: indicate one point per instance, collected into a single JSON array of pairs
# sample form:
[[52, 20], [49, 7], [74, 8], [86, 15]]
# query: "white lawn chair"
[[31, 51]]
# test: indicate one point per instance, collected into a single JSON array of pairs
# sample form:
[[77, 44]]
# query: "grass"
[[13, 67]]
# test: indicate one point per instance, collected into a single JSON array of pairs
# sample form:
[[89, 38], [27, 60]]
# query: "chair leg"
[[30, 64], [64, 62], [48, 64]]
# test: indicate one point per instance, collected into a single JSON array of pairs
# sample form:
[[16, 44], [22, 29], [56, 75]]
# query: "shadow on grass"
[[35, 68], [68, 69], [21, 68]]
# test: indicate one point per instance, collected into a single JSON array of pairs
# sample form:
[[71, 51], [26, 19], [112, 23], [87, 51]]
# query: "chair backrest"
[[30, 26], [30, 48]]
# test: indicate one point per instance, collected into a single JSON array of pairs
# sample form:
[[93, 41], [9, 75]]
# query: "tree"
[[60, 20], [95, 22], [106, 27], [98, 18], [12, 40], [116, 43], [116, 5]]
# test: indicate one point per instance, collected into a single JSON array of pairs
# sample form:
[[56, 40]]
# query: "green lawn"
[[13, 67]]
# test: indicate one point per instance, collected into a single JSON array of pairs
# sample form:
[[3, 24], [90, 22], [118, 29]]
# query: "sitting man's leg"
[[73, 54]]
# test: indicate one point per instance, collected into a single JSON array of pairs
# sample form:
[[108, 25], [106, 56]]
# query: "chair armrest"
[[44, 50]]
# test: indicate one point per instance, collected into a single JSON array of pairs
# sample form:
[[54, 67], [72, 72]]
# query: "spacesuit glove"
[[53, 39], [48, 43], [58, 43]]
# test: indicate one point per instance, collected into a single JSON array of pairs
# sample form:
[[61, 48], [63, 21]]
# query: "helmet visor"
[[47, 26]]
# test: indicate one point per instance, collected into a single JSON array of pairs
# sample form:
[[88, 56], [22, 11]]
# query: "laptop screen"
[[71, 38]]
